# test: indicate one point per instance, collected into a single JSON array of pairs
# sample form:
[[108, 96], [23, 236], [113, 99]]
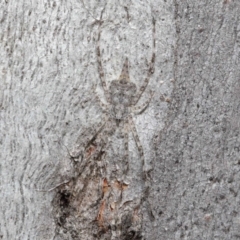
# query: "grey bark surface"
[[189, 131]]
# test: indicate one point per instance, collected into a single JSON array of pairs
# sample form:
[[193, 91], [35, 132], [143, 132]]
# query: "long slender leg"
[[144, 174], [110, 130], [102, 141], [99, 58], [125, 161], [89, 165], [99, 61], [139, 145], [151, 67], [104, 106], [126, 150], [93, 153], [91, 159], [100, 144], [140, 109], [86, 140]]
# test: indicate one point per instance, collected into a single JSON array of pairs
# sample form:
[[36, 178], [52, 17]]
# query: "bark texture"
[[189, 131]]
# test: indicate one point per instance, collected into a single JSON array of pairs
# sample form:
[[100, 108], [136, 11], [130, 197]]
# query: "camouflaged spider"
[[121, 97]]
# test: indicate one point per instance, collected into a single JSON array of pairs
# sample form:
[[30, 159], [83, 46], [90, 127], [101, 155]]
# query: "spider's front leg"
[[140, 109], [100, 67], [104, 106], [150, 69]]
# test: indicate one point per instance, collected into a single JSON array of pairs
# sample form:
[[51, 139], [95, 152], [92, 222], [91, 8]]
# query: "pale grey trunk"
[[189, 132]]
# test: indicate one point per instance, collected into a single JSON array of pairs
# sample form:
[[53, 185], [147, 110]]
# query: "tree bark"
[[189, 132]]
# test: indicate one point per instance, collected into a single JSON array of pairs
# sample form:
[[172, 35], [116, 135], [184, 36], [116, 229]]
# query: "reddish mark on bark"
[[90, 150], [100, 218], [105, 187], [120, 185]]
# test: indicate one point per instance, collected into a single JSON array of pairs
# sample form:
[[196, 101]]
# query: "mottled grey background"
[[190, 132]]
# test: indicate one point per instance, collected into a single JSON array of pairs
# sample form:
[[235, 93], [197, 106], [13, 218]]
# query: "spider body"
[[122, 97], [122, 93]]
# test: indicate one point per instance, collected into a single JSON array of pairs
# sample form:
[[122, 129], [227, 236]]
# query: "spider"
[[122, 98]]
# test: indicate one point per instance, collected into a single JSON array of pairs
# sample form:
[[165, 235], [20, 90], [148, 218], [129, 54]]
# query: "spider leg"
[[125, 162], [99, 62], [91, 162], [90, 150], [104, 106], [82, 146], [88, 165], [139, 145], [126, 149], [103, 141], [145, 176], [150, 69], [140, 109], [93, 154]]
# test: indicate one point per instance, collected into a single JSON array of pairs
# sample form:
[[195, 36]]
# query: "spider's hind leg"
[[96, 149], [139, 145], [85, 140], [126, 149], [145, 175]]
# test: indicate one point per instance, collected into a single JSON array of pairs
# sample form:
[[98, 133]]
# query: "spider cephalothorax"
[[122, 94]]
